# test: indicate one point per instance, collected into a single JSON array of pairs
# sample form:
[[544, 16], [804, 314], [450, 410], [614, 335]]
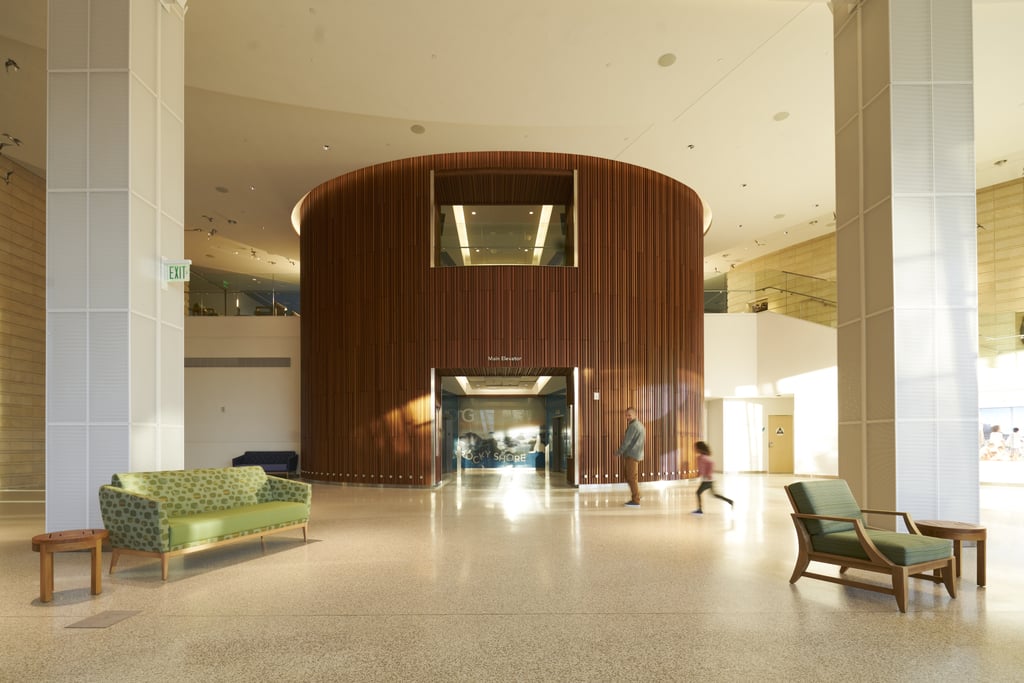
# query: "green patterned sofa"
[[173, 512]]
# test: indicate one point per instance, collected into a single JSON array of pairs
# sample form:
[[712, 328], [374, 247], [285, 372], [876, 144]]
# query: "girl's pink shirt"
[[705, 468]]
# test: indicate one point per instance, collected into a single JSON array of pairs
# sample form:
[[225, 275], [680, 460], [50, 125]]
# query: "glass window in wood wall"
[[503, 235]]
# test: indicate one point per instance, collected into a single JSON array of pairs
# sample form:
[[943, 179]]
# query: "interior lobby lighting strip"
[[460, 225], [542, 233]]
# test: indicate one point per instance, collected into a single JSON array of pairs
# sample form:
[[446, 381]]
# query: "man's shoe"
[[697, 512], [631, 504]]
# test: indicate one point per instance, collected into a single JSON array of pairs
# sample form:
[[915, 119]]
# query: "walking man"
[[632, 452], [706, 470]]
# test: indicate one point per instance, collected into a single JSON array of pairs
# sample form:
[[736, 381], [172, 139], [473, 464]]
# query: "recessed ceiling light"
[[667, 59], [418, 129], [779, 215], [781, 116], [252, 188], [1000, 162], [326, 148], [222, 189]]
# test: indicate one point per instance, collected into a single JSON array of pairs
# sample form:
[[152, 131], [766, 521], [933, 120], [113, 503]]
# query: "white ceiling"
[[269, 83]]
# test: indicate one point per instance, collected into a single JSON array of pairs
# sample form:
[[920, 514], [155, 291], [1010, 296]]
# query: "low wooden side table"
[[958, 532], [63, 541]]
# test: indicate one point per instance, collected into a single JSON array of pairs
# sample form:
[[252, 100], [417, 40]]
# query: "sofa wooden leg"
[[304, 540], [163, 567]]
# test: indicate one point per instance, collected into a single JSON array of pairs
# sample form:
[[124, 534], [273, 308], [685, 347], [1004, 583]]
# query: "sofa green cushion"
[[825, 497], [222, 524], [900, 548]]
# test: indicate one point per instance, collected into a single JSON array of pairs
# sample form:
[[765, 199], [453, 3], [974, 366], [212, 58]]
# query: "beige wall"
[[798, 282], [1000, 268], [22, 329], [230, 410]]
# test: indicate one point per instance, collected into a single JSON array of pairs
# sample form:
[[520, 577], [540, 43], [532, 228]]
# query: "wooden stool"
[[958, 532], [63, 541]]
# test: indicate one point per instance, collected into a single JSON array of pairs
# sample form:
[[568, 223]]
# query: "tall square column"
[[907, 255], [115, 206]]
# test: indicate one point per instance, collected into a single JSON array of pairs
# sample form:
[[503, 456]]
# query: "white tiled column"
[[115, 206], [906, 256]]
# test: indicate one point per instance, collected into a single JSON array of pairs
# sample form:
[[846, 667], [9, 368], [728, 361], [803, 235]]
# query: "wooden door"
[[780, 444]]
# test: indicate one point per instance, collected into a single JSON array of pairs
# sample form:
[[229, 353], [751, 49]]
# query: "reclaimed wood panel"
[[378, 319]]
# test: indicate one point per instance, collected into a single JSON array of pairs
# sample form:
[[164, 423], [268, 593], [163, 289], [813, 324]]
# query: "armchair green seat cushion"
[[831, 528], [900, 548], [171, 512]]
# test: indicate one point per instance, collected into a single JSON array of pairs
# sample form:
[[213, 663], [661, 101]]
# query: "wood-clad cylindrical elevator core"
[[395, 295]]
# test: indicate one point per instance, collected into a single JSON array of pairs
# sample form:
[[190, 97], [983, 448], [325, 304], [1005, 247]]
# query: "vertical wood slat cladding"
[[377, 317]]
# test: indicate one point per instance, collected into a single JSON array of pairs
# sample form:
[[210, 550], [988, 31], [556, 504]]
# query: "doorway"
[[780, 444]]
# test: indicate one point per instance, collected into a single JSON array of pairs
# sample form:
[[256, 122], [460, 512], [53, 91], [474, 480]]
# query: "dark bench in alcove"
[[280, 463]]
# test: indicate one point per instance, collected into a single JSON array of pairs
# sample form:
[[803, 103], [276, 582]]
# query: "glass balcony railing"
[[213, 292], [800, 296]]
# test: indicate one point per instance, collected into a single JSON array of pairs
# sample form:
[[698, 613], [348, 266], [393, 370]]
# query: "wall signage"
[[504, 359], [175, 271]]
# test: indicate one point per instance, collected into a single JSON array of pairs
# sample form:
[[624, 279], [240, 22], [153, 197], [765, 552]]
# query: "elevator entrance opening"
[[518, 422]]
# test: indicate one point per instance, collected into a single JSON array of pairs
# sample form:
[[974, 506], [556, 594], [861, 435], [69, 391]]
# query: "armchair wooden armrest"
[[874, 555], [908, 521]]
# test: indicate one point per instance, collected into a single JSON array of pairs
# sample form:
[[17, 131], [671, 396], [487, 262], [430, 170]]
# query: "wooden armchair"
[[830, 528]]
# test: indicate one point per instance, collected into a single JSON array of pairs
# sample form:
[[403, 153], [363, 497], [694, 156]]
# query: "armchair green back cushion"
[[830, 497]]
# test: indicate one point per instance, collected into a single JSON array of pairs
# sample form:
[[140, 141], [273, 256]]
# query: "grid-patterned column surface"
[[906, 255], [115, 205]]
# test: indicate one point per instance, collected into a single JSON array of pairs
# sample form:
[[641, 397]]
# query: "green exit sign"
[[176, 271]]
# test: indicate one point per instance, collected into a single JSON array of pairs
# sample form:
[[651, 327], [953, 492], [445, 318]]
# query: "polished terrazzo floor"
[[512, 578]]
